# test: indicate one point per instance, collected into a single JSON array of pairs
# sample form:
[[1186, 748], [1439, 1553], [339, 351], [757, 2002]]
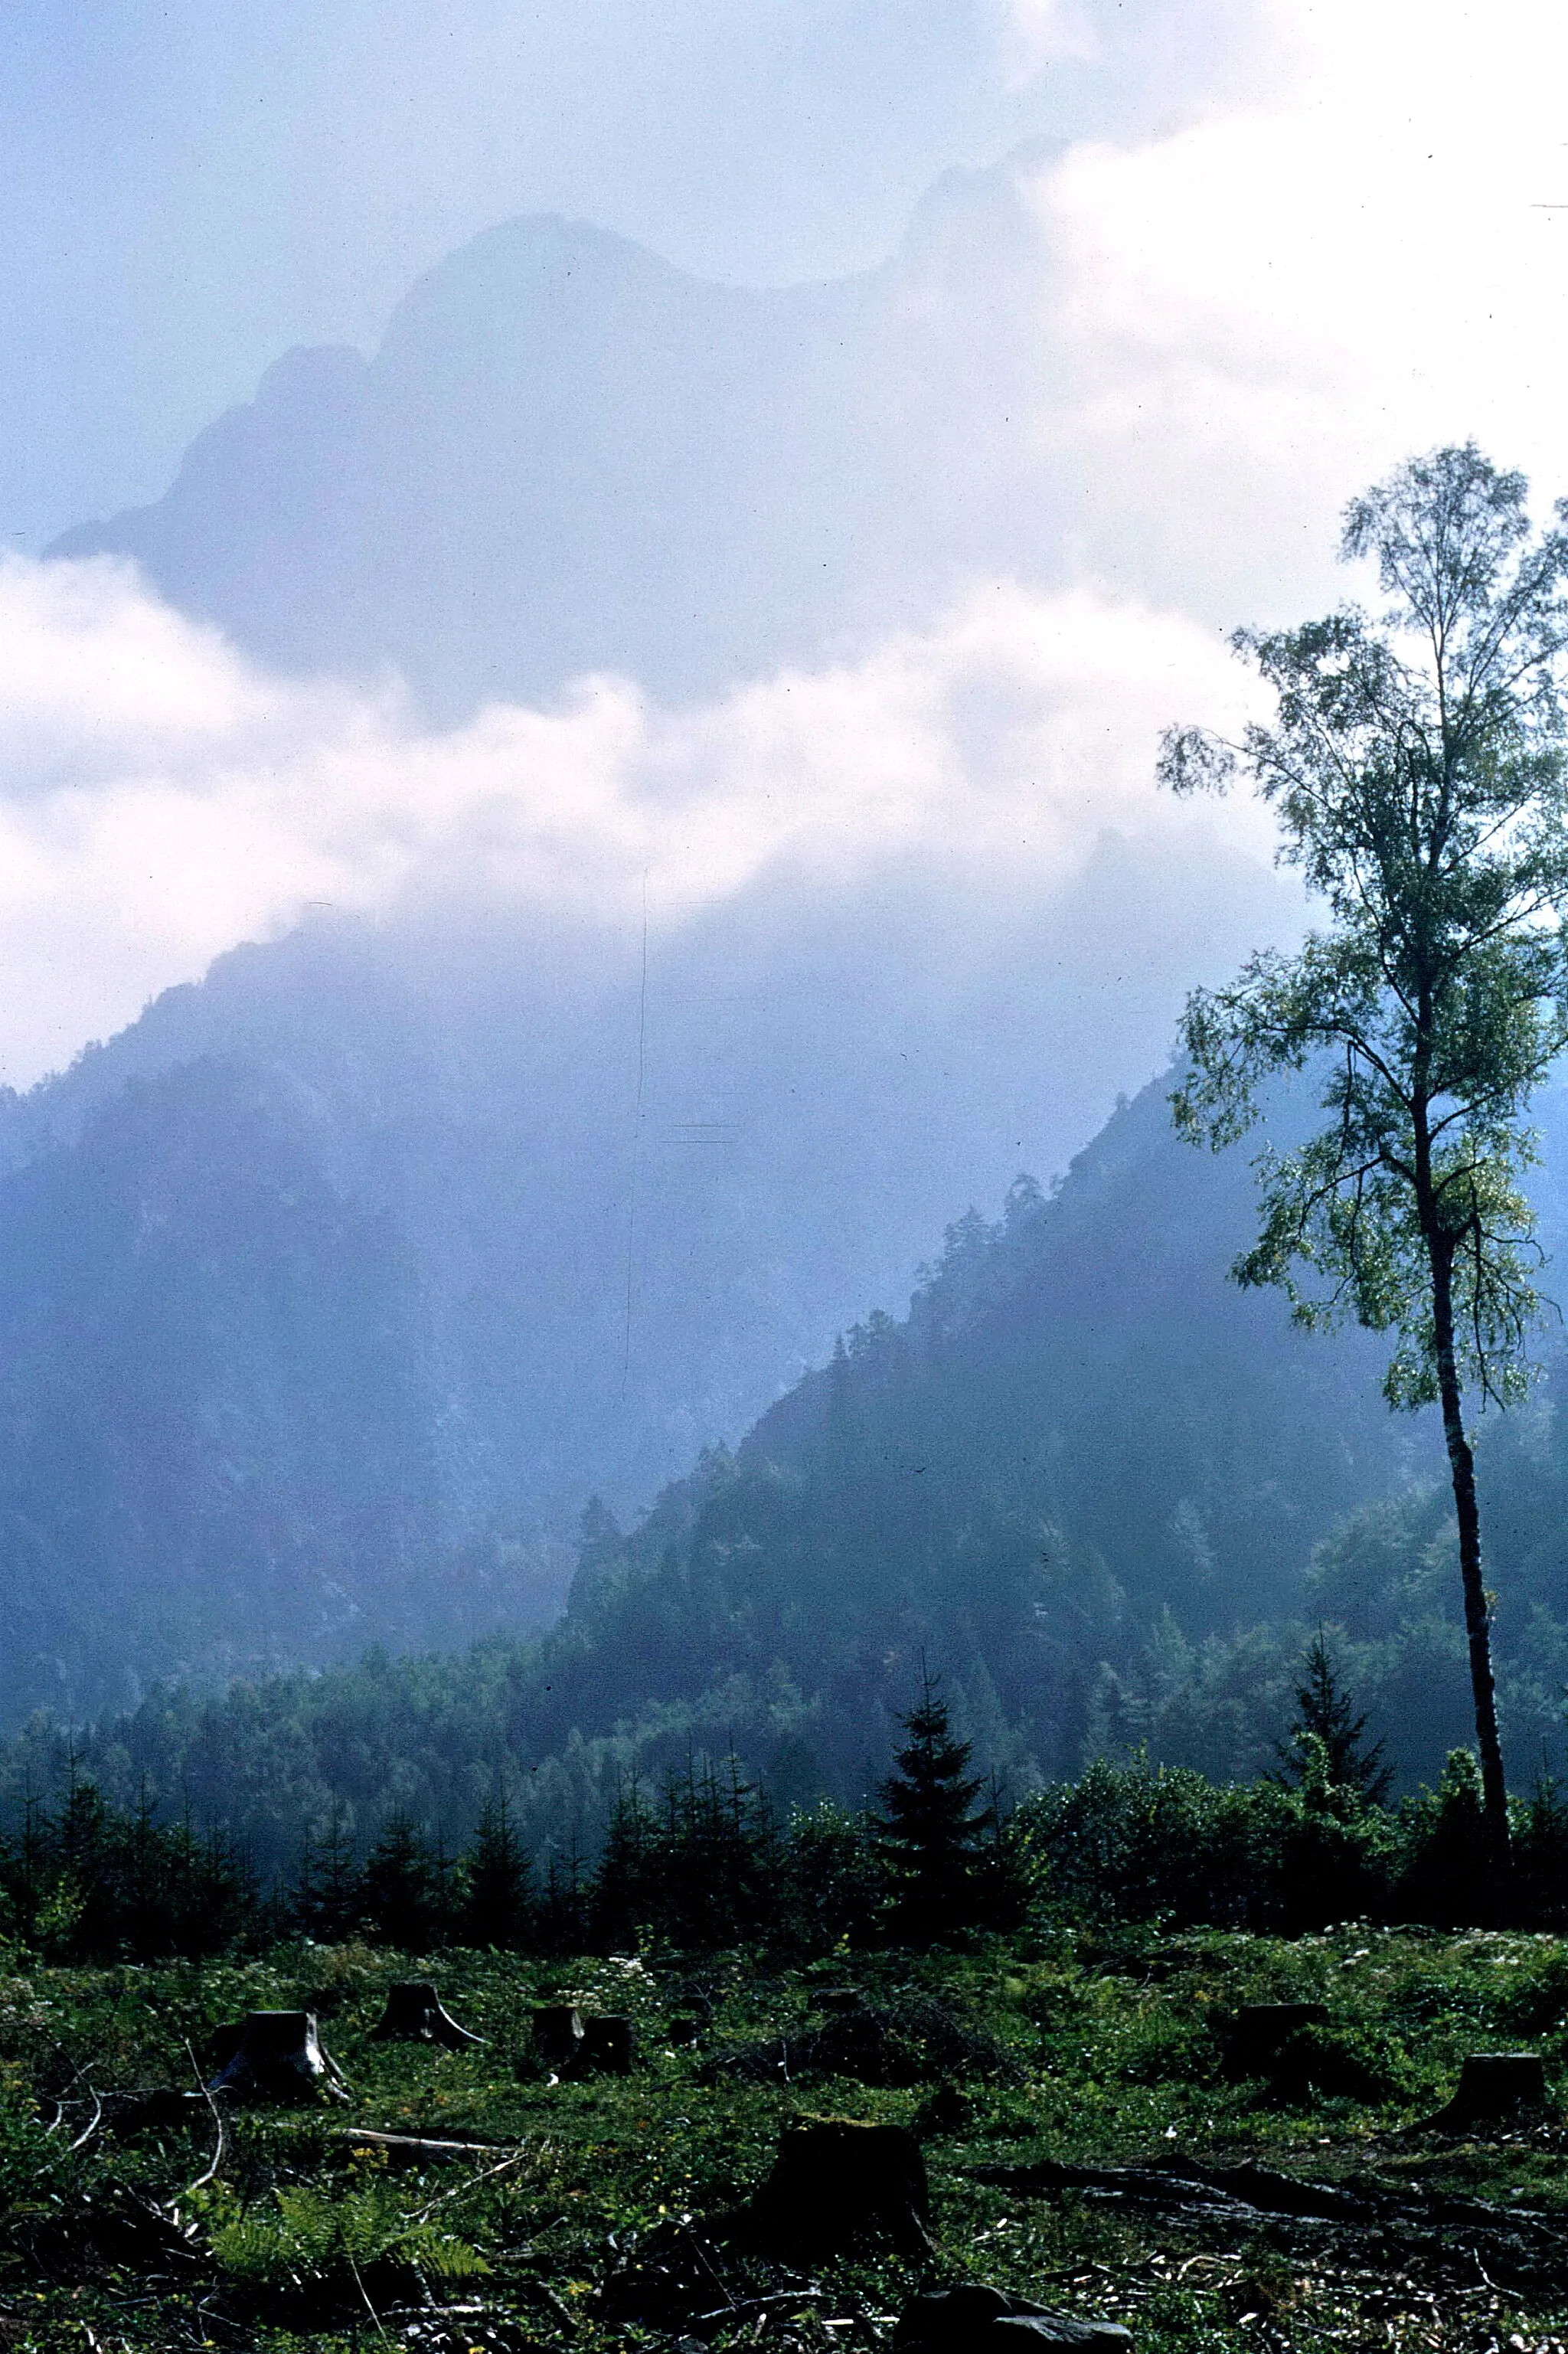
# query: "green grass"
[[1101, 2051]]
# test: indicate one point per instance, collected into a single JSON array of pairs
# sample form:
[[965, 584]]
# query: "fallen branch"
[[782, 2301], [1527, 2244], [369, 2308], [422, 2145], [462, 2190], [93, 2122], [203, 2180]]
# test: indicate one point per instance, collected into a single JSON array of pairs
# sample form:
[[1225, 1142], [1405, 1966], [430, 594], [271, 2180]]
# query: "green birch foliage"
[[1416, 764]]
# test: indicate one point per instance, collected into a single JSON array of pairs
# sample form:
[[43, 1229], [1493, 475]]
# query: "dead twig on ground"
[[203, 2180]]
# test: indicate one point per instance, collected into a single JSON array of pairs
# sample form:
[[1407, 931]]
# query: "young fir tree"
[[496, 1907], [929, 1830], [401, 1887], [326, 1899], [564, 1914], [1415, 763], [26, 1866], [624, 1895], [1327, 1736], [720, 1857]]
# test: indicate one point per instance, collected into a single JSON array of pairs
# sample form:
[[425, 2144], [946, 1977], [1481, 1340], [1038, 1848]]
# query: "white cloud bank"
[[1254, 313], [1273, 302], [160, 798]]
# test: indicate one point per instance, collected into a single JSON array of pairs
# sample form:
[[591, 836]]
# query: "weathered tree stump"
[[685, 2027], [1493, 2086], [415, 2014], [834, 2181], [608, 2049], [558, 2034], [1258, 2031], [273, 2055], [957, 2320]]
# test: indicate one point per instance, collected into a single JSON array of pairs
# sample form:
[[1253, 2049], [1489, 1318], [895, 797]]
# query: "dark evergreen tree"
[[401, 1887], [720, 1861], [327, 1901], [147, 1884], [930, 1831], [623, 1897], [566, 1905], [27, 1867], [701, 1869], [82, 1828], [495, 1904], [95, 1883], [1326, 1714]]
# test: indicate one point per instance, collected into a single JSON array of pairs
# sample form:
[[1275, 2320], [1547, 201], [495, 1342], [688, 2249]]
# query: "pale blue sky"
[[187, 189]]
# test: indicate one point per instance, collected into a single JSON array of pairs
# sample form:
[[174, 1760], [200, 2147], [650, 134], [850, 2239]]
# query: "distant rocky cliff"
[[569, 456]]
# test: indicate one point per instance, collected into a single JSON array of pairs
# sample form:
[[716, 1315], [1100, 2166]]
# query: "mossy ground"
[[1096, 2050]]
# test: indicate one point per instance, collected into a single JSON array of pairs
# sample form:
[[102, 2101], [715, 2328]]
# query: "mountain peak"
[[569, 455]]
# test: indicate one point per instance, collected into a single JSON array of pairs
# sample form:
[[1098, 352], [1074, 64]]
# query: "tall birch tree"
[[1416, 764]]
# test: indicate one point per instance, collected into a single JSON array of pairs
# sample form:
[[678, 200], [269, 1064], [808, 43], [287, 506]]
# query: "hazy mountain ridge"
[[474, 1174], [569, 456], [613, 1215], [823, 1084], [1091, 1482], [217, 1433], [969, 1484]]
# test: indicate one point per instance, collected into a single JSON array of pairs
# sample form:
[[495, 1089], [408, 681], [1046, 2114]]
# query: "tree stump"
[[834, 2181], [1258, 2029], [558, 2034], [414, 2014], [273, 2055], [1257, 2038], [957, 2320], [1493, 2086], [686, 2028], [608, 2049]]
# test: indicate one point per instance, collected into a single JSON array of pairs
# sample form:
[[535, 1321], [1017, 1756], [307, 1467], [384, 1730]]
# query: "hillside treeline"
[[706, 1862], [281, 1375], [1099, 1562]]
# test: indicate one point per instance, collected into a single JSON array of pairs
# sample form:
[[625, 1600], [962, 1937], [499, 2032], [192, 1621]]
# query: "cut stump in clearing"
[[415, 2014], [1258, 2032], [975, 2316], [1493, 2087], [558, 2034], [608, 2049], [274, 2055], [834, 2181]]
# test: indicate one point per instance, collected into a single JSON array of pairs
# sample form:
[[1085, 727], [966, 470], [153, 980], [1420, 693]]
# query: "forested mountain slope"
[[1079, 1435], [616, 1215], [216, 1419], [313, 1306], [1080, 1426]]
